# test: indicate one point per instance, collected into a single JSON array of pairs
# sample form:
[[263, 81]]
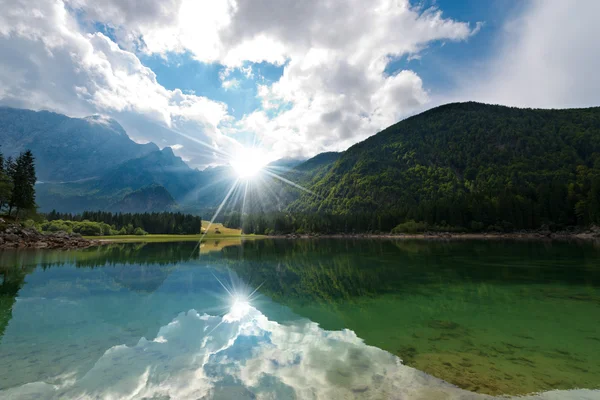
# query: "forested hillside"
[[469, 165]]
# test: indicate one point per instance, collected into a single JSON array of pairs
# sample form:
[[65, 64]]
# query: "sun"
[[248, 162]]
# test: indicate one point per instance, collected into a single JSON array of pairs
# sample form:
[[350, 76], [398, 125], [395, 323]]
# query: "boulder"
[[11, 237]]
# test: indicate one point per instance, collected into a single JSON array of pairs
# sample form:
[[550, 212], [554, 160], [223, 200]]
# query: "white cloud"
[[48, 63], [333, 91], [230, 84], [548, 58], [248, 356]]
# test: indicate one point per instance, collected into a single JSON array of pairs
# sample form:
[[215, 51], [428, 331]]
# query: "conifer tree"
[[5, 184], [23, 179]]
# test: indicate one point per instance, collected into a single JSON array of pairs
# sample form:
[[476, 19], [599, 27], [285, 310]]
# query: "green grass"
[[224, 233], [171, 238]]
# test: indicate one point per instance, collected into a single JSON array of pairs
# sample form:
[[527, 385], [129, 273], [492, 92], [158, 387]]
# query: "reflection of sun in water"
[[240, 306], [238, 298], [248, 162]]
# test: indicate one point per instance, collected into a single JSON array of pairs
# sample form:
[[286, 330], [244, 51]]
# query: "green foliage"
[[410, 227], [23, 178], [139, 231], [6, 188], [127, 224], [57, 226], [85, 228], [469, 166]]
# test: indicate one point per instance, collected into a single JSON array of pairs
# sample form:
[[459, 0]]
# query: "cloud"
[[49, 63], [547, 59], [333, 91], [248, 356], [230, 84]]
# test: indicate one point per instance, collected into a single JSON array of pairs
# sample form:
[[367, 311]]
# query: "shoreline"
[[23, 238], [451, 236], [15, 237]]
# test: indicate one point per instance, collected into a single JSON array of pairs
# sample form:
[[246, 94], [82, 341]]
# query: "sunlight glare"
[[248, 162], [240, 306]]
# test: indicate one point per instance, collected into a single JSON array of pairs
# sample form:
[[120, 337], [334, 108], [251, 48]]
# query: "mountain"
[[285, 164], [147, 199], [314, 169], [161, 167], [469, 165], [106, 192], [67, 149]]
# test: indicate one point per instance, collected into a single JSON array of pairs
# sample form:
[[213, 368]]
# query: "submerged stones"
[[437, 324]]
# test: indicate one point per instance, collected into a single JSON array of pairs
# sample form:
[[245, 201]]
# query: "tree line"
[[173, 223], [17, 183]]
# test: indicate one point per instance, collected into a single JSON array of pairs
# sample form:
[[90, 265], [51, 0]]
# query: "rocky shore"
[[593, 233], [17, 237]]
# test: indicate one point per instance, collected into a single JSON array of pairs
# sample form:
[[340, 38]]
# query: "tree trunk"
[[9, 209]]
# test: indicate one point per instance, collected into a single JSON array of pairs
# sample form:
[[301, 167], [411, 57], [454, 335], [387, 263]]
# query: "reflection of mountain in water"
[[419, 300], [340, 270], [487, 316]]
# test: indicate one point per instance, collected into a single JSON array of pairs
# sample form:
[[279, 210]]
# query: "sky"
[[296, 78]]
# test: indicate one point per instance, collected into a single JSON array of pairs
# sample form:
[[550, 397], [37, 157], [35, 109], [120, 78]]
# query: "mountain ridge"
[[65, 148], [470, 163]]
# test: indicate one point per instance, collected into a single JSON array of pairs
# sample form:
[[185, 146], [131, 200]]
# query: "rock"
[[11, 237], [15, 236], [61, 234]]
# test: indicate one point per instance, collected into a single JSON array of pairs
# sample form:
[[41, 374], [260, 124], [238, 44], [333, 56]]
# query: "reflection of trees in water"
[[11, 281], [323, 270], [107, 255], [330, 270]]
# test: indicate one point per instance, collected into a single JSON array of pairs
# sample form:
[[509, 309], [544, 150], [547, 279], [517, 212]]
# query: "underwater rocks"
[[17, 237]]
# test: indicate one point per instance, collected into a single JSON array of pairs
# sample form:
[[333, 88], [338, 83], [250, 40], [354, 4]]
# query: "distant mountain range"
[[461, 164], [92, 164], [67, 149]]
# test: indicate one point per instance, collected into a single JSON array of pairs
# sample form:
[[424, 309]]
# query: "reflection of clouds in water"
[[201, 356]]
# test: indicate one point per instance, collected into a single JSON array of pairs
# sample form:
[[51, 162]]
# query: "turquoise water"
[[329, 319]]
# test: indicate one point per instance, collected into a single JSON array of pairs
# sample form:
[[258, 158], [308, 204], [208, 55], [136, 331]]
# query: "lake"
[[302, 319]]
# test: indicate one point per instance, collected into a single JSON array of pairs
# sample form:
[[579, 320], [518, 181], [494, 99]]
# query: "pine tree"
[[10, 171], [5, 184], [593, 202], [23, 179]]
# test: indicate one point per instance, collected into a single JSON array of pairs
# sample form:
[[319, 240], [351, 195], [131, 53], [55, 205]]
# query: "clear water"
[[331, 319]]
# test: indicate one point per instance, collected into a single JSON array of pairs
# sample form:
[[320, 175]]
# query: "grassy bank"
[[215, 232], [170, 238]]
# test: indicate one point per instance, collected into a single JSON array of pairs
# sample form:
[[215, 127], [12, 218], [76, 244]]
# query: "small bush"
[[410, 227], [139, 231], [57, 226]]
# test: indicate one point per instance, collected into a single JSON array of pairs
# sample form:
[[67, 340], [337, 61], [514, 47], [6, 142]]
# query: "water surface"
[[332, 319]]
